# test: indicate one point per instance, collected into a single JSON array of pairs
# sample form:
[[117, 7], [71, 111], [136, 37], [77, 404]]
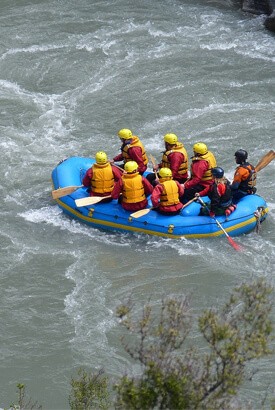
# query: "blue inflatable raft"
[[250, 212]]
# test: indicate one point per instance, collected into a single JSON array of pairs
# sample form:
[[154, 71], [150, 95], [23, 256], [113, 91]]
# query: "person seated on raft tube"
[[174, 157], [101, 177], [132, 149], [165, 196], [134, 188], [220, 196], [201, 176], [244, 182]]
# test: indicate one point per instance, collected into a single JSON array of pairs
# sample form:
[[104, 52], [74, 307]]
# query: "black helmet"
[[217, 172], [241, 156]]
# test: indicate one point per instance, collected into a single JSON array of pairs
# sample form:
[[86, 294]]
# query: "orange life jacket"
[[103, 178], [133, 189], [183, 169], [250, 181], [170, 193], [209, 157], [135, 143]]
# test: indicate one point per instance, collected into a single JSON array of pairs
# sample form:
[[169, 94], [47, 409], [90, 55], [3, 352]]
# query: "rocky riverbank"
[[266, 7]]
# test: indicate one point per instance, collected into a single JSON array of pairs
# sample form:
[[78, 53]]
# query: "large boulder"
[[258, 6], [270, 22]]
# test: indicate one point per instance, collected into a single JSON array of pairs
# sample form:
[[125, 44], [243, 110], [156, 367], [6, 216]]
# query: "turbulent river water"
[[72, 73]]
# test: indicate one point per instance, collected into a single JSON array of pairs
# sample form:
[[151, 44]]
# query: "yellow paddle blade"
[[265, 160], [140, 213], [58, 193], [90, 200]]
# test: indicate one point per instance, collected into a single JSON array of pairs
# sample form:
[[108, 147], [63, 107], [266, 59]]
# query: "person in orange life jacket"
[[131, 150], [220, 196], [165, 196], [244, 182], [101, 177], [201, 177], [174, 157], [134, 188]]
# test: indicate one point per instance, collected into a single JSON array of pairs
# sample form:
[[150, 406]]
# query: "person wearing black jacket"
[[220, 195]]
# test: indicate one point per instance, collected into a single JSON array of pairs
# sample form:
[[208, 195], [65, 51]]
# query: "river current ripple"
[[71, 75]]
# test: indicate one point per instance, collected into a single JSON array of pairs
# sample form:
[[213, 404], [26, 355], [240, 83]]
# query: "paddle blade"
[[140, 213], [58, 193], [265, 160], [90, 200], [235, 245], [230, 240]]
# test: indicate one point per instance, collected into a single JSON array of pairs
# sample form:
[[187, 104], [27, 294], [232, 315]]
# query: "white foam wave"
[[32, 49], [167, 121], [86, 307], [244, 46], [54, 216], [160, 33], [271, 206], [49, 215]]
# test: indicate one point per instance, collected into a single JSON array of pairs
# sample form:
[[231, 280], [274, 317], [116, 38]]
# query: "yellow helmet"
[[125, 134], [171, 139], [130, 166], [165, 173], [101, 157], [200, 148]]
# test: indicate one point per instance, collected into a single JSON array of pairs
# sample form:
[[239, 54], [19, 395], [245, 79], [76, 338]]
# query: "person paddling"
[[220, 196], [201, 176], [244, 182], [101, 177], [132, 149], [174, 157], [165, 196], [134, 188]]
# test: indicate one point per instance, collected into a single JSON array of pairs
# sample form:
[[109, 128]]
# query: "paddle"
[[117, 166], [140, 213], [143, 212], [153, 160], [230, 240], [58, 193], [90, 200], [265, 160]]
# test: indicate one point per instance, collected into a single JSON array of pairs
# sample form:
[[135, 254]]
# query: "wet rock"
[[258, 6], [269, 22]]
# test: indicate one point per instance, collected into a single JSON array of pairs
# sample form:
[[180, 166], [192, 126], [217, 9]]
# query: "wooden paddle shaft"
[[265, 160], [58, 193]]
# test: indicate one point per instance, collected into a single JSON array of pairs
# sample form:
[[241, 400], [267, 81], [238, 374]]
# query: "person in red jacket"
[[174, 157], [101, 177], [134, 188], [132, 149], [201, 176], [165, 196]]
